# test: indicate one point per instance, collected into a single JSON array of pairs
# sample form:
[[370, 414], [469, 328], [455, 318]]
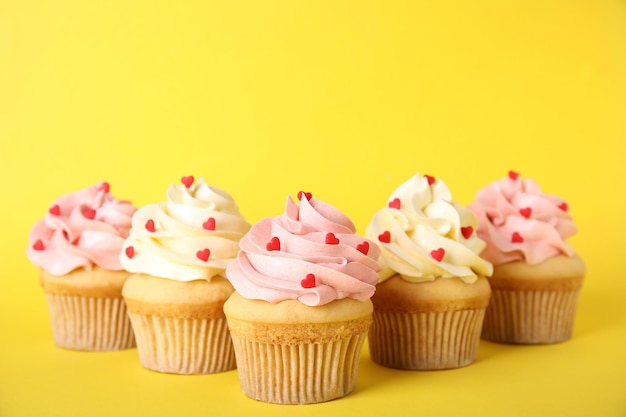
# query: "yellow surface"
[[346, 99]]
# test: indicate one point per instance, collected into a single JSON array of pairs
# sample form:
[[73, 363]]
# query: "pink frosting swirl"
[[80, 230], [519, 222], [309, 253]]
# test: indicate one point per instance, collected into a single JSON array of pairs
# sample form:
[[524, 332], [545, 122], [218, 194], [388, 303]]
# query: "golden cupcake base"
[[290, 353], [183, 346], [88, 323], [531, 317], [180, 327], [87, 311], [534, 304], [298, 374], [425, 341], [427, 325]]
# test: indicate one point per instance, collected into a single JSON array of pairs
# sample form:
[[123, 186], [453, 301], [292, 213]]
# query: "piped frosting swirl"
[[310, 253], [519, 222], [81, 230], [424, 235], [194, 234]]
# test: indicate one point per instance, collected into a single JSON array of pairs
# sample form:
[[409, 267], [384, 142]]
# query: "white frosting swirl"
[[193, 235], [424, 235]]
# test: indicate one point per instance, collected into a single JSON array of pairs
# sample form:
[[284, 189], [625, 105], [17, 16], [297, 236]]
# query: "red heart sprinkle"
[[467, 231], [187, 181], [563, 206], [395, 203], [385, 236], [431, 180], [209, 224], [104, 187], [526, 212], [55, 210], [150, 225], [517, 238], [38, 245], [331, 239], [309, 281], [273, 244], [307, 195], [203, 254], [438, 254], [89, 213], [513, 175], [130, 252], [364, 247]]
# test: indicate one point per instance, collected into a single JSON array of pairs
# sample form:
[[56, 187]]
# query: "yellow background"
[[346, 99]]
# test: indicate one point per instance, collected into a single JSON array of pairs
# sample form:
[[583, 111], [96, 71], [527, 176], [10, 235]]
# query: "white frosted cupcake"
[[537, 275], [178, 251], [302, 308], [76, 246], [432, 295]]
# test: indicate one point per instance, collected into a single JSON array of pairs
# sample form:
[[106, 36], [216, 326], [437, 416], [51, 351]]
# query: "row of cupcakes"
[[290, 300]]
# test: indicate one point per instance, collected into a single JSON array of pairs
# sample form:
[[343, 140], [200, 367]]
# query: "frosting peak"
[[519, 222], [192, 235], [80, 230], [424, 235], [309, 253]]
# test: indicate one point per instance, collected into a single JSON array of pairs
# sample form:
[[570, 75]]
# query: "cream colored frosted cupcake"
[[537, 276], [77, 247], [301, 310], [178, 251], [430, 302]]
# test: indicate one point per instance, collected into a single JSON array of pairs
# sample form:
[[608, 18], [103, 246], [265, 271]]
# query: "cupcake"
[[301, 310], [537, 276], [430, 301], [76, 246], [177, 252]]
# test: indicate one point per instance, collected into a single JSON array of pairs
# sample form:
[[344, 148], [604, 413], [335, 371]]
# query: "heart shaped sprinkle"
[[38, 245], [438, 254], [273, 244], [150, 225], [385, 236], [89, 213], [309, 281], [187, 181], [307, 195], [430, 179], [526, 212], [55, 210], [331, 239], [209, 224], [517, 238], [203, 254], [395, 204], [105, 187], [513, 175], [467, 231], [130, 252], [364, 247], [563, 206]]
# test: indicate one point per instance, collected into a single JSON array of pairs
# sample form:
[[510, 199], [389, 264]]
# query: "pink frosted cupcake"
[[302, 308], [537, 275], [178, 251], [76, 246]]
